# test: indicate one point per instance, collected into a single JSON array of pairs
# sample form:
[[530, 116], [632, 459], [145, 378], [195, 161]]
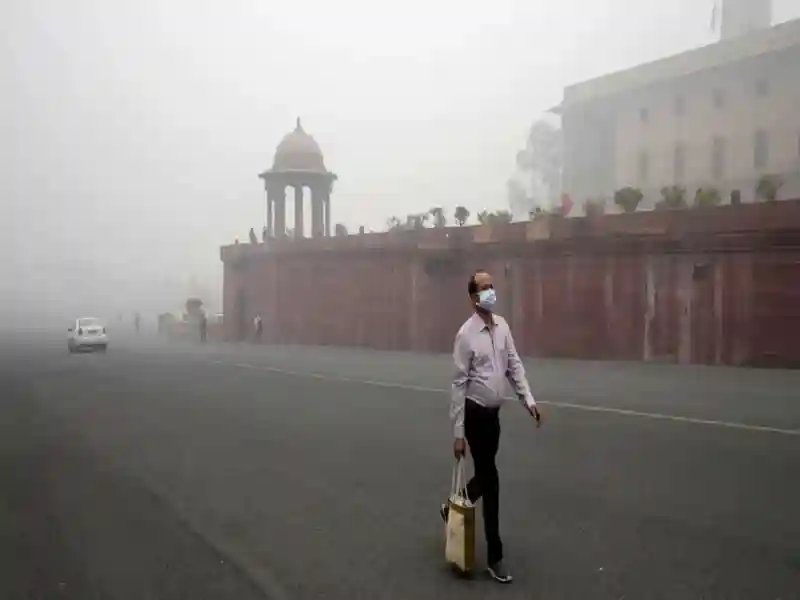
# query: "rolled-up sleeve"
[[516, 374], [458, 395]]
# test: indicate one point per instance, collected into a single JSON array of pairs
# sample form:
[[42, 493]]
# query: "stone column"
[[270, 229], [279, 200], [327, 204], [298, 211]]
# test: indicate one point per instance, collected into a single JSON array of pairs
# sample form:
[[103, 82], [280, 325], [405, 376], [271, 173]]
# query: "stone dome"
[[298, 151]]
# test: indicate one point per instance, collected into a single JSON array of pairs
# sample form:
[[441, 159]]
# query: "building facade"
[[714, 285], [741, 17], [720, 116]]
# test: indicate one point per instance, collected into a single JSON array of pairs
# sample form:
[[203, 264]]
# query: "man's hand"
[[459, 448], [536, 415]]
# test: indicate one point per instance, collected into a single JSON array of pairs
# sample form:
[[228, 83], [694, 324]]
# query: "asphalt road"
[[162, 471]]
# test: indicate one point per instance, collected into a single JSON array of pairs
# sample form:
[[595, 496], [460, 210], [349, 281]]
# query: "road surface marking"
[[569, 405]]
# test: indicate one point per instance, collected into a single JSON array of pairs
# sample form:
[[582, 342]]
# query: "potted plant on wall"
[[628, 199], [438, 216], [536, 213], [461, 215], [673, 197], [394, 224], [707, 197], [594, 207], [500, 217], [768, 187]]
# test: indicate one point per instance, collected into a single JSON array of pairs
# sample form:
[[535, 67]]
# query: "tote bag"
[[460, 529]]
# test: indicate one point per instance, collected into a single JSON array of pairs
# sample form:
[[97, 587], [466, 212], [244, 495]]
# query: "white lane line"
[[570, 405], [696, 421]]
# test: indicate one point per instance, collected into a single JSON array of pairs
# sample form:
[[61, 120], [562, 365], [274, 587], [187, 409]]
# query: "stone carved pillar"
[[298, 211]]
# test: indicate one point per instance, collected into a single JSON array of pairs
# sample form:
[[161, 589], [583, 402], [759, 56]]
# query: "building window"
[[718, 158], [718, 98], [680, 106], [760, 150], [644, 115], [643, 166], [679, 162], [762, 87]]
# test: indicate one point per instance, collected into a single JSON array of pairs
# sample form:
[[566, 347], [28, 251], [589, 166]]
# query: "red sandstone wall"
[[678, 292]]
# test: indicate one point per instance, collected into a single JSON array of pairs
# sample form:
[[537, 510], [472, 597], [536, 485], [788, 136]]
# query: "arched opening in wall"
[[296, 211]]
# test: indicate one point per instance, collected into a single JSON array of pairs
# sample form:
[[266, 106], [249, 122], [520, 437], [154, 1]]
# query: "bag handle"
[[458, 484]]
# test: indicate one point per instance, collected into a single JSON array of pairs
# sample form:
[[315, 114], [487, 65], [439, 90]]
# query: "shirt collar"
[[479, 323]]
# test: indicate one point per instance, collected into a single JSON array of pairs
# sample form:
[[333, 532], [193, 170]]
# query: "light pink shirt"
[[485, 358]]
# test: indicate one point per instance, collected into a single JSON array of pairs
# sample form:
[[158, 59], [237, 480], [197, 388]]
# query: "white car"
[[87, 333]]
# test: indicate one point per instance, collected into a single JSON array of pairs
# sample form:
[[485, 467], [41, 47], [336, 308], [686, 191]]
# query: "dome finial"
[[298, 127]]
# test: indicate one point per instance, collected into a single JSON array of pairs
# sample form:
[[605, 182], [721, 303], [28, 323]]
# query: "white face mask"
[[487, 299]]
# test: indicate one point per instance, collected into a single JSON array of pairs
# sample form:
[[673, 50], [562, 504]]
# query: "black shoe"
[[499, 573], [444, 511]]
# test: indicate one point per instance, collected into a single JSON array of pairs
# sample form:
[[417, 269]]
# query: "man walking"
[[485, 357], [203, 327]]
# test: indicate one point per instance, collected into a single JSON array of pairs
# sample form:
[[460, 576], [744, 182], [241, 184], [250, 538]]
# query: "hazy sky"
[[132, 131]]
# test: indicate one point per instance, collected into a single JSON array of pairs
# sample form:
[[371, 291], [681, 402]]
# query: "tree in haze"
[[537, 180], [340, 229], [519, 198], [461, 215], [439, 218]]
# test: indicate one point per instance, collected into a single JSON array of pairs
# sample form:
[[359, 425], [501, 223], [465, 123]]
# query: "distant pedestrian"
[[258, 327], [485, 356], [203, 327]]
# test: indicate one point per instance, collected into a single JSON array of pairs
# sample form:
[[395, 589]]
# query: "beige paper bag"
[[460, 530]]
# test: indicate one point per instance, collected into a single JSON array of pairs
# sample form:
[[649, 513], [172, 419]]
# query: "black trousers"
[[482, 430]]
